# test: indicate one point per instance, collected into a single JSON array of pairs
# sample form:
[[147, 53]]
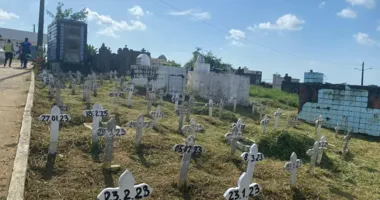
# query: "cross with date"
[[127, 189], [245, 188]]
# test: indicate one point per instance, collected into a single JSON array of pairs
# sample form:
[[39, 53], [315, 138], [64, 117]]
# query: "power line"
[[260, 45]]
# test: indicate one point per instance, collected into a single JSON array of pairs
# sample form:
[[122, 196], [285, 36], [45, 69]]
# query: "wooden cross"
[[234, 100], [182, 111], [264, 122], [346, 138], [190, 105], [277, 115], [292, 166], [97, 113], [233, 136], [139, 124], [127, 189], [156, 115], [313, 153], [175, 99], [245, 188], [54, 118], [322, 145], [188, 149], [318, 125], [221, 107], [239, 124], [210, 104]]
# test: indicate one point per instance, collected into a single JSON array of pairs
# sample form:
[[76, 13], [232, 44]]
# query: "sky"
[[272, 36]]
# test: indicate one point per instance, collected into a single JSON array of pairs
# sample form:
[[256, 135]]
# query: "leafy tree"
[[68, 13], [216, 63], [172, 63]]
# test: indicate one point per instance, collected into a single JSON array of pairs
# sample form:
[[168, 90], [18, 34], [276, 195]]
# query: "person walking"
[[25, 51], [8, 49]]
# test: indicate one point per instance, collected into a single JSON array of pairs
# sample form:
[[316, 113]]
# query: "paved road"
[[14, 85]]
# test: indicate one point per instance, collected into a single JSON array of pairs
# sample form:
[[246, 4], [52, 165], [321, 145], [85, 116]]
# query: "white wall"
[[277, 82], [216, 85], [336, 104]]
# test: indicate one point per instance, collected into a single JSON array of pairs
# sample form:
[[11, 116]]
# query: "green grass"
[[77, 176], [273, 97]]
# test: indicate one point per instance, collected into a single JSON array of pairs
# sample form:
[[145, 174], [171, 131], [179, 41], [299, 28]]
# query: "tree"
[[172, 63], [216, 64], [68, 13]]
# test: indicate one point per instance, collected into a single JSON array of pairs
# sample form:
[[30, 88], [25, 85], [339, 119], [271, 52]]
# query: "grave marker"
[[175, 99], [190, 108], [277, 115], [131, 90], [139, 124], [337, 129], [313, 153], [115, 94], [188, 150], [210, 104], [245, 188], [292, 166], [97, 113], [234, 101], [54, 118], [322, 145], [79, 76], [264, 123], [51, 85], [239, 124], [151, 98], [221, 107], [127, 189], [156, 115], [292, 122], [318, 125], [190, 129], [181, 113], [233, 136], [347, 139]]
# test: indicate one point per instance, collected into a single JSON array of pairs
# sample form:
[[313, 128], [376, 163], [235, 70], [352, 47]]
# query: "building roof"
[[20, 35]]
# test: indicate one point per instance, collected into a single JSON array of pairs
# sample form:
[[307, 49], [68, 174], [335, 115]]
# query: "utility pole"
[[41, 24], [362, 72]]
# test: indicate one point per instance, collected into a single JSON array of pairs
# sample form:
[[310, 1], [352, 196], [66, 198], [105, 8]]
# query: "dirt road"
[[14, 85]]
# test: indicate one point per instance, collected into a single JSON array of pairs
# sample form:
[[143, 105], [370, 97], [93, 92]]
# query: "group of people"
[[24, 50]]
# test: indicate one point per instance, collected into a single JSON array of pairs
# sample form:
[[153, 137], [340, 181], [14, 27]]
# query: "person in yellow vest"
[[8, 49]]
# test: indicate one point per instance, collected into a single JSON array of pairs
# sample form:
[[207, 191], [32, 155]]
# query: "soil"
[[14, 85]]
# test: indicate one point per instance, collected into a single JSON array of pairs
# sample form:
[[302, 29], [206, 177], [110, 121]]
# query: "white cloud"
[[365, 3], [194, 14], [322, 4], [347, 13], [112, 26], [136, 11], [4, 15], [288, 22], [252, 28], [235, 36], [364, 39], [148, 12]]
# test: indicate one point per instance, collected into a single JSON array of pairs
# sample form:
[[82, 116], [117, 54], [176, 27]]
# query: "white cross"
[[245, 188], [126, 190], [233, 136], [192, 128], [264, 123], [79, 75], [175, 99], [51, 85], [54, 118], [181, 112], [346, 138], [318, 125], [110, 133], [277, 115], [156, 115], [131, 89], [239, 124], [234, 100], [210, 104], [292, 122], [313, 153], [139, 124], [262, 109], [337, 129], [190, 108], [322, 145], [292, 166], [86, 91], [221, 106], [188, 147], [151, 98]]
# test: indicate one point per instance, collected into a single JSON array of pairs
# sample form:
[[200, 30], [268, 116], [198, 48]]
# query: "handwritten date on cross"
[[115, 132], [55, 118], [196, 150], [127, 189], [238, 193], [95, 113], [252, 158], [116, 94]]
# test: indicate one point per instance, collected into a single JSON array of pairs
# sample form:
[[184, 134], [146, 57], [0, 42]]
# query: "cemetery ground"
[[77, 175], [14, 84]]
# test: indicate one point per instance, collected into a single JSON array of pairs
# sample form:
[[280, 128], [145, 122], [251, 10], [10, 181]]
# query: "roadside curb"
[[20, 166]]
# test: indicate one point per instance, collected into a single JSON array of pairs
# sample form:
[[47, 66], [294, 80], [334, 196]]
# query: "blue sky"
[[284, 36]]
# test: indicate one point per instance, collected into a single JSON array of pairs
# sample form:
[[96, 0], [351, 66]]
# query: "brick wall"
[[361, 104]]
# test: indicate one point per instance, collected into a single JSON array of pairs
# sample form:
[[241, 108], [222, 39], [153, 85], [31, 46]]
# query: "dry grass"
[[77, 176]]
